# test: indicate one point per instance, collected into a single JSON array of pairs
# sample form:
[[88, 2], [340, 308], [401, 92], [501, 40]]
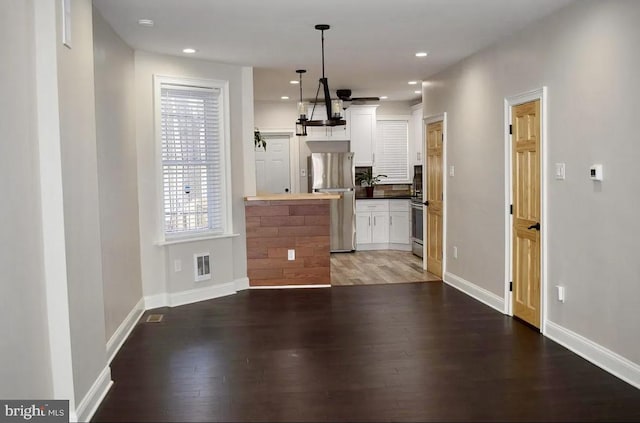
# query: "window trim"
[[224, 122]]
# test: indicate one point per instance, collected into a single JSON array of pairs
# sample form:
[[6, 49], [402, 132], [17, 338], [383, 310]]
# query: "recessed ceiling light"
[[189, 50], [284, 97], [145, 22], [417, 92], [293, 81], [413, 82], [384, 97], [421, 54]]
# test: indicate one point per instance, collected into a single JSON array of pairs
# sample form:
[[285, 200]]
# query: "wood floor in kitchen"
[[394, 352], [377, 267]]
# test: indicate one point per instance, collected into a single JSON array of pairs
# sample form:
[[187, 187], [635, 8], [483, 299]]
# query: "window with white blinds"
[[192, 160], [392, 151]]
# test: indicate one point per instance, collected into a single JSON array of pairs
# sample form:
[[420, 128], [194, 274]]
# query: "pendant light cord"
[[322, 32]]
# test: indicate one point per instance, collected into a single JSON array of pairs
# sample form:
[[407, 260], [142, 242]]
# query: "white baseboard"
[[602, 357], [122, 333], [155, 301], [89, 404], [241, 284], [290, 286], [473, 290], [383, 246], [201, 294], [195, 295]]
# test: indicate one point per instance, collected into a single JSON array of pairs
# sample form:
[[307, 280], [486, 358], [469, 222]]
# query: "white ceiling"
[[370, 47]]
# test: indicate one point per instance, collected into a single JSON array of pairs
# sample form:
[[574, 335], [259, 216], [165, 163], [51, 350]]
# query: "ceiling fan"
[[345, 96]]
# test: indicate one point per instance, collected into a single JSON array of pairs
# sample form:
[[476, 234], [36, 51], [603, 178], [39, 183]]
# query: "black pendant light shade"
[[301, 127]]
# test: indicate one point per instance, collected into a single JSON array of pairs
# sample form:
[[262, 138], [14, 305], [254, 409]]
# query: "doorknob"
[[426, 203], [536, 226]]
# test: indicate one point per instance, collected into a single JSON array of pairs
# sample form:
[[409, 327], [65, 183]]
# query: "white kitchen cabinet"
[[363, 228], [362, 123], [326, 133], [416, 136], [382, 225], [399, 222]]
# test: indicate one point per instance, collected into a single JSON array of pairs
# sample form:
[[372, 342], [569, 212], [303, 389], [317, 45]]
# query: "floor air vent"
[[155, 318]]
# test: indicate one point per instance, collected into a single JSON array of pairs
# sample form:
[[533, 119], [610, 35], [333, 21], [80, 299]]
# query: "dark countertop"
[[385, 197]]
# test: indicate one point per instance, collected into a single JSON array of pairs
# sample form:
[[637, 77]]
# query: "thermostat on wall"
[[595, 172]]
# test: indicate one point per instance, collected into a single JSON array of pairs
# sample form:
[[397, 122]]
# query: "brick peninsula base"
[[279, 223]]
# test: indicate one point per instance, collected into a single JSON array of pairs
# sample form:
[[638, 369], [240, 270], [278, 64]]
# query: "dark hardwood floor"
[[402, 352]]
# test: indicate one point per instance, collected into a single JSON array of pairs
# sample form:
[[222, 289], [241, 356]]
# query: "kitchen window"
[[194, 160], [392, 151]]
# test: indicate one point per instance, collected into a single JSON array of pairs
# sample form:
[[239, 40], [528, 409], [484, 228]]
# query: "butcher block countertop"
[[292, 197]]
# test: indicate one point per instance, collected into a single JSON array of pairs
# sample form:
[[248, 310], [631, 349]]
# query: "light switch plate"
[[452, 170], [291, 255], [561, 295], [560, 171]]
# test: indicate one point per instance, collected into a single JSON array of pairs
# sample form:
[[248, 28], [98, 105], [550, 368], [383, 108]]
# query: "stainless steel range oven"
[[416, 226]]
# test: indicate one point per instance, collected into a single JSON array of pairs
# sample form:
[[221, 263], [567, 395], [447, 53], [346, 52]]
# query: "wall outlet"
[[291, 255], [303, 173], [177, 265], [455, 252], [561, 293]]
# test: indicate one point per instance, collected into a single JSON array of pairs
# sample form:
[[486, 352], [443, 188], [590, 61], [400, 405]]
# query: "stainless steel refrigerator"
[[335, 173]]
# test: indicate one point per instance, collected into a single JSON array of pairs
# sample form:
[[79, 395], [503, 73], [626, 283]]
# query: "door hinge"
[[511, 209], [510, 286], [510, 129], [442, 136]]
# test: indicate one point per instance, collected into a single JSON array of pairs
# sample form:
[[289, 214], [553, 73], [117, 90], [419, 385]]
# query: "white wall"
[[587, 55], [394, 108], [25, 367], [81, 201], [228, 255], [117, 173]]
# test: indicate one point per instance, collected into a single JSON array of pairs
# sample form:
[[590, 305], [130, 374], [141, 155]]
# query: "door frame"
[[294, 154], [425, 122], [509, 102]]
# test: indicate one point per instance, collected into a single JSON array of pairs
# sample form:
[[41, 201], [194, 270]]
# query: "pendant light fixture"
[[301, 127], [333, 107]]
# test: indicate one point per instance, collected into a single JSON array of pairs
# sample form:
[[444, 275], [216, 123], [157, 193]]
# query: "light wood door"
[[525, 141], [434, 198]]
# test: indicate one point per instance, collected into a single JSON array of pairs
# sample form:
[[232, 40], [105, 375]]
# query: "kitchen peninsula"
[[288, 239]]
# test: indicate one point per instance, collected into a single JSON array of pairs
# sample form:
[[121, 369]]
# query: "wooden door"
[[272, 166], [434, 198], [525, 141]]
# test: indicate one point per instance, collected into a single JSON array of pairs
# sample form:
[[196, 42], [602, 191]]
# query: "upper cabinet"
[[416, 136], [362, 123], [326, 133]]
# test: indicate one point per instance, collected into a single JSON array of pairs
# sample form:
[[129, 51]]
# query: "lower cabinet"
[[399, 227], [383, 225]]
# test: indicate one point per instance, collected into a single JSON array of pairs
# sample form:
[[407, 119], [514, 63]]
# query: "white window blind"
[[392, 151], [192, 162]]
